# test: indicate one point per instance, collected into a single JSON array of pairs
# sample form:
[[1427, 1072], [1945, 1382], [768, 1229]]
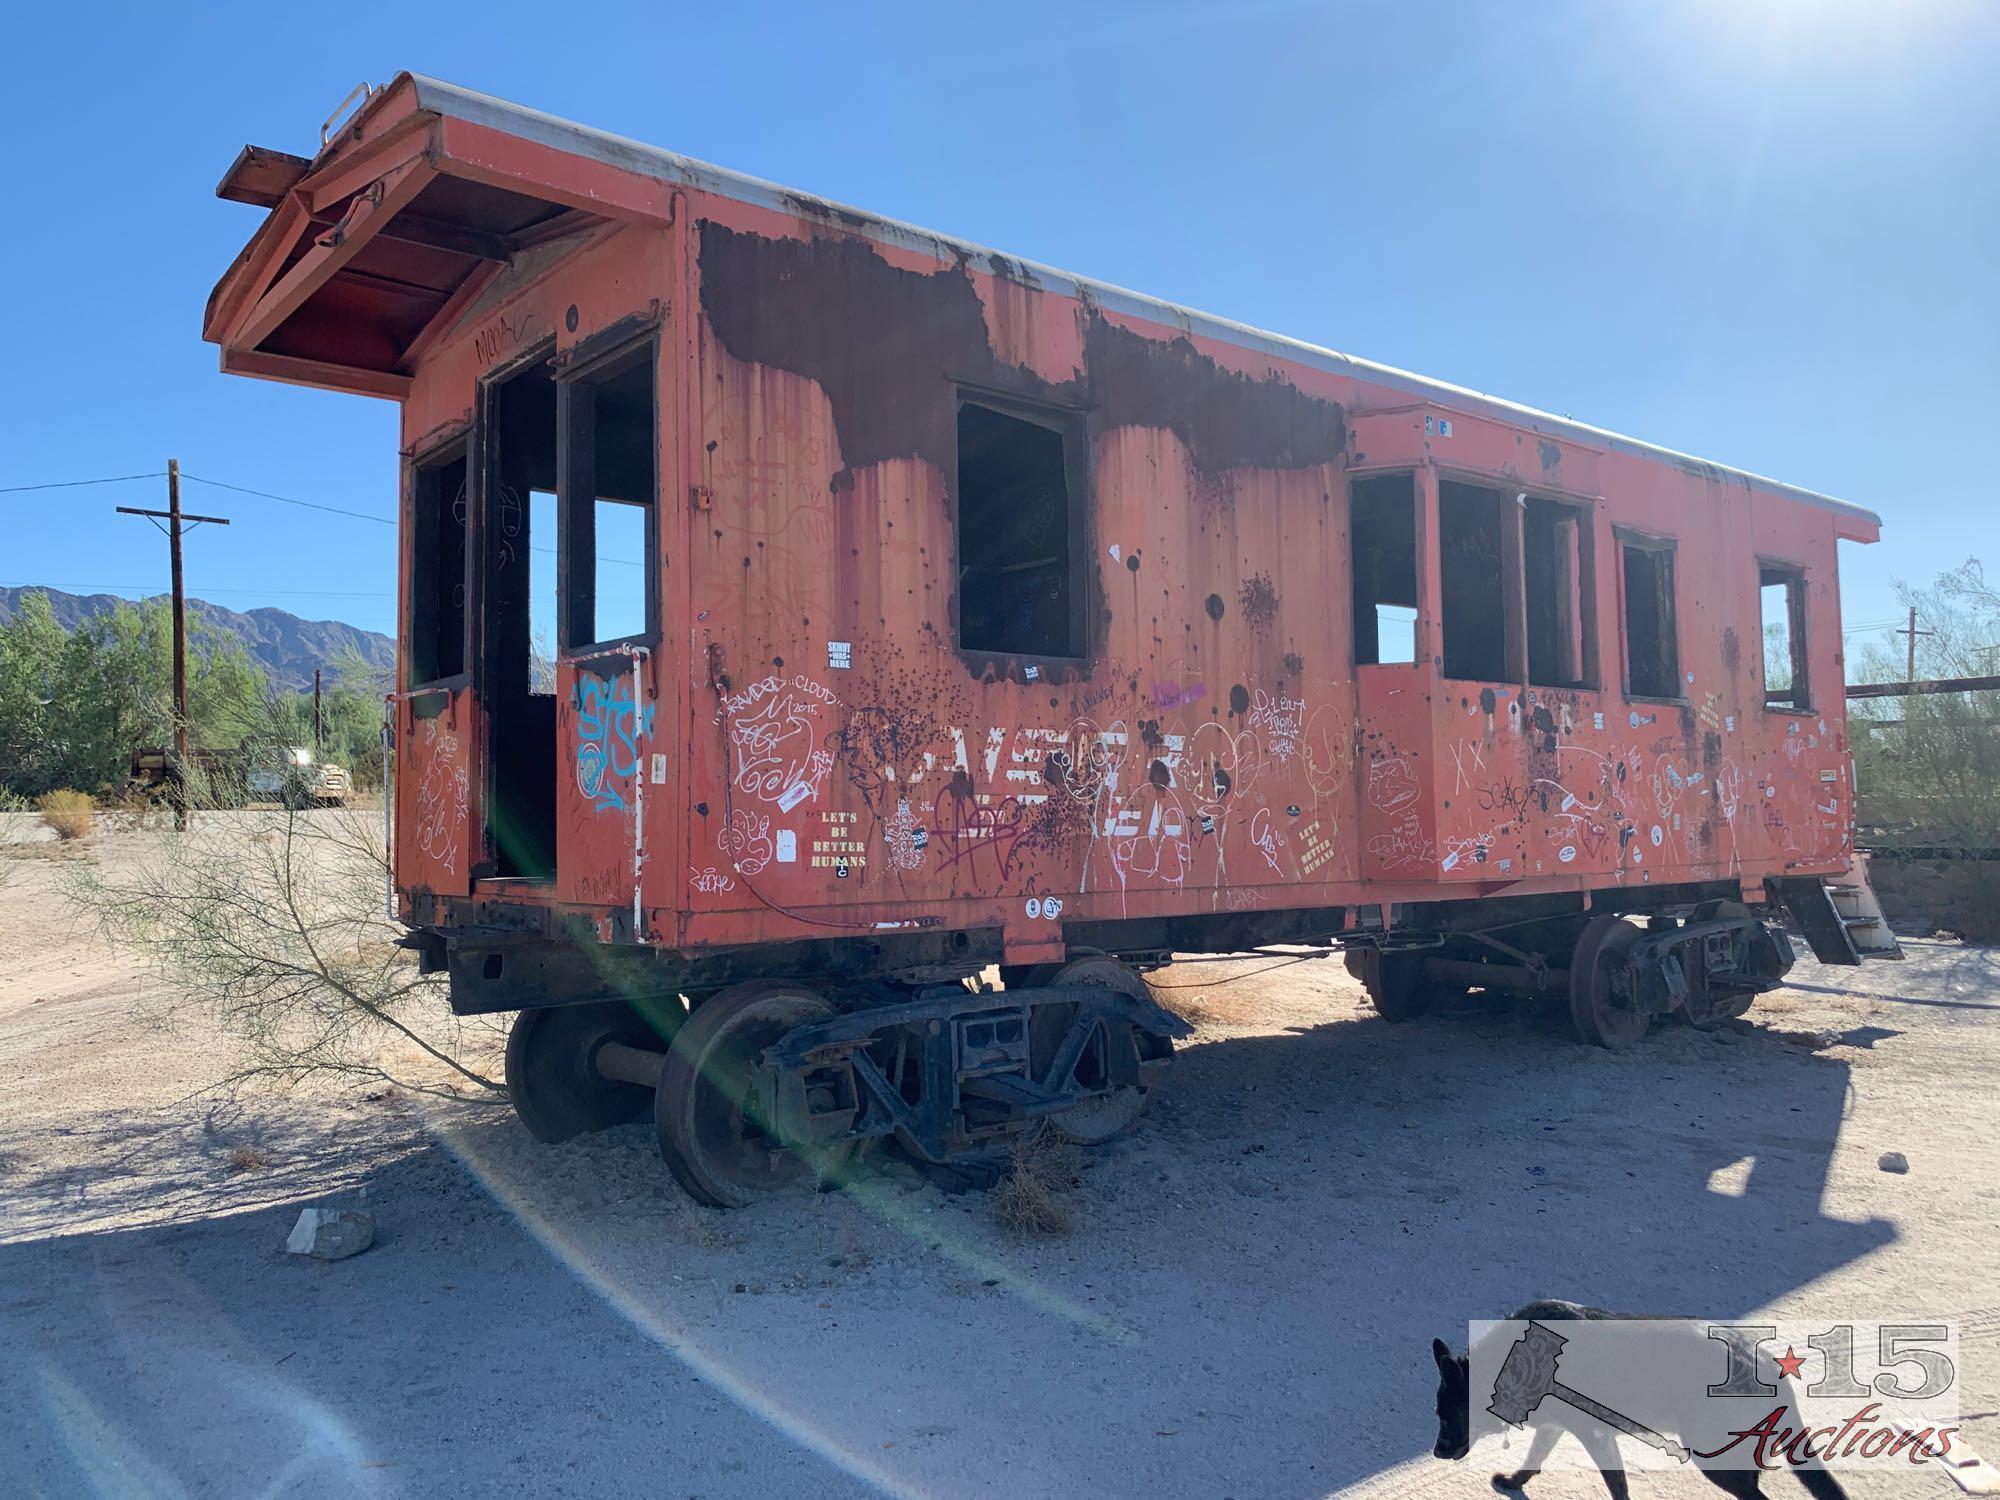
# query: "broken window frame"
[[1071, 427], [1513, 645], [1656, 544], [424, 626], [502, 682], [608, 355], [1772, 571], [1361, 629], [487, 540], [1581, 515]]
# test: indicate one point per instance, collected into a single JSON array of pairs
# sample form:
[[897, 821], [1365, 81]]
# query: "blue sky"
[[1763, 231]]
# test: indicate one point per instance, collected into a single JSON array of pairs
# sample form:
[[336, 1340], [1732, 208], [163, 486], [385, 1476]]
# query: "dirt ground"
[[1242, 1308]]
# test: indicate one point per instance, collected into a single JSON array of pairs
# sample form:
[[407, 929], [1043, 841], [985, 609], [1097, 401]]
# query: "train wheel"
[[555, 1090], [1106, 1115], [1591, 1011], [1395, 982], [706, 1112]]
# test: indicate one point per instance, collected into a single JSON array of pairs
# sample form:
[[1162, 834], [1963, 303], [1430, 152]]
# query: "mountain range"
[[287, 647]]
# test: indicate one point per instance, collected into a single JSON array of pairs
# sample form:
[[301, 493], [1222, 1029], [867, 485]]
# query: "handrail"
[[362, 91]]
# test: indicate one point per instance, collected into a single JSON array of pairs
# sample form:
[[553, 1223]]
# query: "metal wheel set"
[[1616, 975], [770, 1083]]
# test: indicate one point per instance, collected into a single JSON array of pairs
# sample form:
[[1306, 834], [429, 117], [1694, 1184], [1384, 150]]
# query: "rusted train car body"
[[995, 616]]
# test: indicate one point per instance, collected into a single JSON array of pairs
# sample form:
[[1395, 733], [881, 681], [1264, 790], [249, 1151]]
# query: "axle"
[[623, 1064]]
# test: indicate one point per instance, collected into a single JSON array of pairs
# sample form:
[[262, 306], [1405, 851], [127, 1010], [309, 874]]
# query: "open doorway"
[[516, 678]]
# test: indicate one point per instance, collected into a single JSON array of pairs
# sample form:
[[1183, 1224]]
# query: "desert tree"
[[271, 924], [75, 704], [1928, 764]]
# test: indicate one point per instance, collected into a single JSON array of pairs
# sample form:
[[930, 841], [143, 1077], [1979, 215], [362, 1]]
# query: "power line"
[[359, 515], [150, 589], [623, 562], [175, 516], [71, 484], [334, 510]]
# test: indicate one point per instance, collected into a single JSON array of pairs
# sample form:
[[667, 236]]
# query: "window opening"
[[542, 558], [1019, 531], [1652, 648], [610, 466], [441, 501], [1559, 592], [1382, 564], [1473, 572], [1781, 594]]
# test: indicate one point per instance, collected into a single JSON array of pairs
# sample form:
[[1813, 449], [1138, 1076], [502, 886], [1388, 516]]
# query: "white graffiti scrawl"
[[1277, 722], [906, 841], [746, 841], [441, 796], [776, 727]]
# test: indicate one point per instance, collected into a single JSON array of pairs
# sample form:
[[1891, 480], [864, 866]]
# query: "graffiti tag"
[[608, 726]]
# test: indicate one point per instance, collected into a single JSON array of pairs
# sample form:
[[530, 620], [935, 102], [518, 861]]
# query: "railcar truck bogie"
[[803, 614]]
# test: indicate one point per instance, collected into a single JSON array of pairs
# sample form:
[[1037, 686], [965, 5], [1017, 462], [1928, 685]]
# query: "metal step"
[[1853, 897], [1840, 917], [1812, 907]]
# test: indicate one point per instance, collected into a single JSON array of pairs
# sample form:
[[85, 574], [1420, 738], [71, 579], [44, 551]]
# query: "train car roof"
[[450, 101]]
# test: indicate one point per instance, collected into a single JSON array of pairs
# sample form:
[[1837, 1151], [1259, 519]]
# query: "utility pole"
[[1910, 675], [317, 721], [176, 523]]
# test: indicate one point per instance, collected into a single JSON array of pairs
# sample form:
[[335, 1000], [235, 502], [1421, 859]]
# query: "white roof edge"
[[451, 100]]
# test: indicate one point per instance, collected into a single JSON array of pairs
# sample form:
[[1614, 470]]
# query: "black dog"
[[1454, 1413]]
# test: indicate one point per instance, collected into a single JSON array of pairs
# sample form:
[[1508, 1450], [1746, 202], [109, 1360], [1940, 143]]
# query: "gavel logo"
[[1527, 1377]]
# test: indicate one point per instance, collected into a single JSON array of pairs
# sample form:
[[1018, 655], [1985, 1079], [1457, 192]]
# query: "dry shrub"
[[130, 811], [71, 814], [1035, 1195], [247, 1159], [271, 927]]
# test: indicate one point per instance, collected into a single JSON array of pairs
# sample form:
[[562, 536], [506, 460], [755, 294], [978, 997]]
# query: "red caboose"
[[802, 612]]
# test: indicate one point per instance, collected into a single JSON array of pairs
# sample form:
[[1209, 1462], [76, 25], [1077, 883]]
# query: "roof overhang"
[[372, 248]]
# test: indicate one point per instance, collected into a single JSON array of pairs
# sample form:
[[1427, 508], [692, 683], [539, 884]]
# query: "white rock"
[[1893, 1161], [331, 1233]]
